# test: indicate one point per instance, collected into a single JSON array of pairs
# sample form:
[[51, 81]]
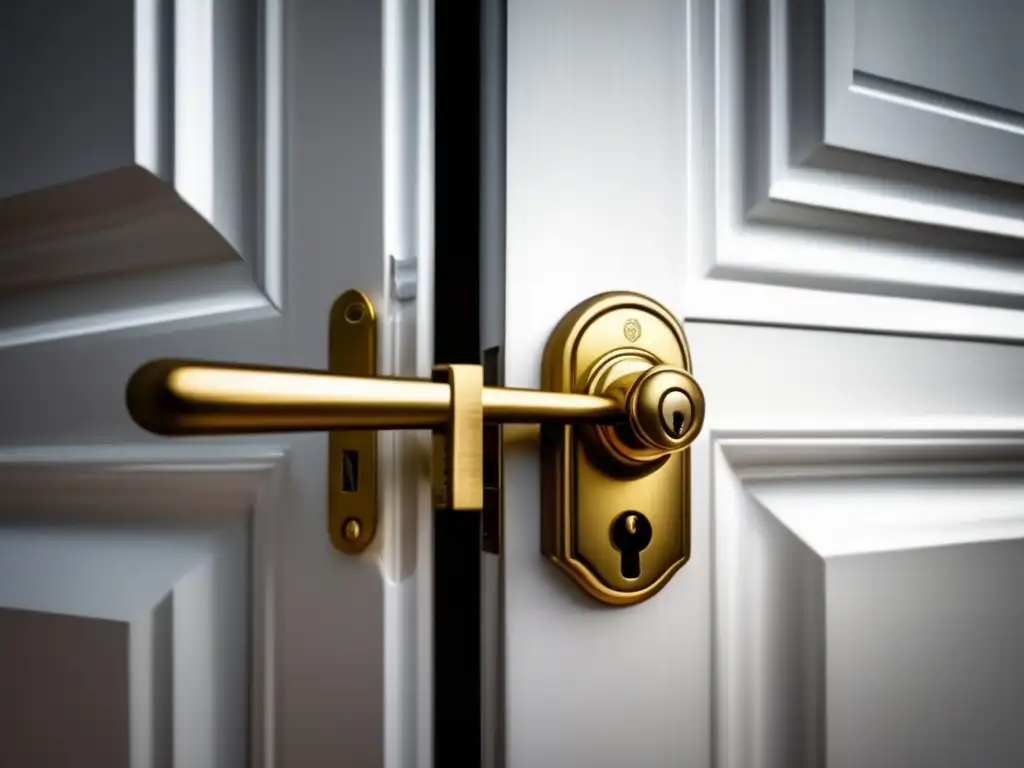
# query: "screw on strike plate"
[[351, 529]]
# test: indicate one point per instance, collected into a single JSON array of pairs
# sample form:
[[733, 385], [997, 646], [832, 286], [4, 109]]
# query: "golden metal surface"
[[188, 397], [351, 529], [632, 350], [618, 410], [665, 407], [460, 447], [352, 454]]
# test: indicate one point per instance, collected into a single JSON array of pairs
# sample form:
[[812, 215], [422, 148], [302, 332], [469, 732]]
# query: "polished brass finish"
[[458, 446], [186, 397], [630, 349], [618, 411], [664, 409], [351, 529], [351, 453]]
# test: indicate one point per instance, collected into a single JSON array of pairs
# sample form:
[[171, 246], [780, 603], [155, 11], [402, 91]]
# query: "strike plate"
[[352, 454], [588, 506]]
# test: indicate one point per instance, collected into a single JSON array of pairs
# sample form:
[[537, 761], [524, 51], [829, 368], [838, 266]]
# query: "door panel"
[[136, 121], [212, 207], [891, 42], [852, 220], [142, 581], [887, 92], [851, 301]]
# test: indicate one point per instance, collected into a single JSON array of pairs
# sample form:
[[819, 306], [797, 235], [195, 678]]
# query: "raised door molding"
[[142, 182], [854, 577], [929, 83], [151, 572], [826, 191]]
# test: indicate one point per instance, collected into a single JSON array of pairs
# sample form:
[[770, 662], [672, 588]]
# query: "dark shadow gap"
[[457, 228]]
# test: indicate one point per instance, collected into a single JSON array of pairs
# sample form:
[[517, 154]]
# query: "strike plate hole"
[[349, 471]]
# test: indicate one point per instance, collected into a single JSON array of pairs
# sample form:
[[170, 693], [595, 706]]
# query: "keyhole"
[[677, 423], [675, 409], [631, 533]]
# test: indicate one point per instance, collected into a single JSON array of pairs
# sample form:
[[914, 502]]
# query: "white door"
[[828, 193], [199, 180]]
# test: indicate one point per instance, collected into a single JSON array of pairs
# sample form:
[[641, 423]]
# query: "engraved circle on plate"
[[631, 329]]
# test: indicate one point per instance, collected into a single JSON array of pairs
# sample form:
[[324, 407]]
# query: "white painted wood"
[[892, 246], [850, 599], [406, 536], [887, 93], [140, 117], [863, 591], [202, 180], [40, 653]]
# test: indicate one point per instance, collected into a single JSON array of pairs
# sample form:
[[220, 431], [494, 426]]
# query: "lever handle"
[[183, 397]]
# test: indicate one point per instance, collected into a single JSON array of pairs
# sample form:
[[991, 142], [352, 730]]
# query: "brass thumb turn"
[[634, 407]]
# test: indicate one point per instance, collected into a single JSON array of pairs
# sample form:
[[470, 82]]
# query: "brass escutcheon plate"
[[352, 454], [583, 498]]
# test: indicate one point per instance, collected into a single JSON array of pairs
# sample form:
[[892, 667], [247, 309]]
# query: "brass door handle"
[[619, 400], [182, 397]]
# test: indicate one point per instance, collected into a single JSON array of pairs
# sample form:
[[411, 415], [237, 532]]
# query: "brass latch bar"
[[458, 445]]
